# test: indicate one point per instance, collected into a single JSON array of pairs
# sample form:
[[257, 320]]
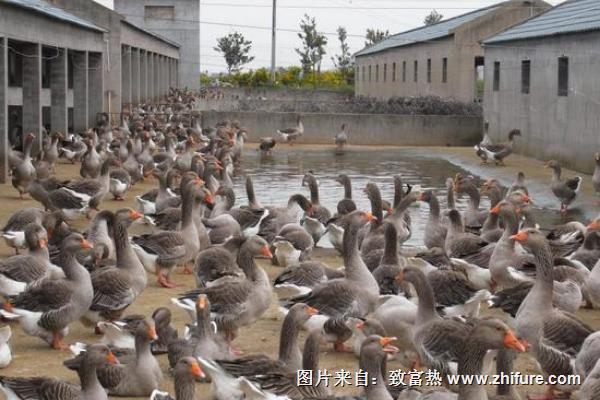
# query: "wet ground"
[[275, 180]]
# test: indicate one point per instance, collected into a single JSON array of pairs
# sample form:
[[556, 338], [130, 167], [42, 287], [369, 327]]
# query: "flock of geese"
[[383, 304]]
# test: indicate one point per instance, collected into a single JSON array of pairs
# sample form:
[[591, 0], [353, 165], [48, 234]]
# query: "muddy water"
[[279, 176]]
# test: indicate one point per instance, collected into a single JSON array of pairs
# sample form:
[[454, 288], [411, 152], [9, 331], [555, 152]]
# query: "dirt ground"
[[32, 357]]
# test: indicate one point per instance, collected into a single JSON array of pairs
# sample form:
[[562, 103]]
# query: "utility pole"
[[273, 40]]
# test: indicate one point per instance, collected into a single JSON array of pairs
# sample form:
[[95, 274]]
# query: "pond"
[[279, 176]]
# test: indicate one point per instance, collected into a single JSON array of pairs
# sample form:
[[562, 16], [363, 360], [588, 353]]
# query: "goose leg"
[[58, 343], [340, 347], [187, 269], [549, 395], [163, 281]]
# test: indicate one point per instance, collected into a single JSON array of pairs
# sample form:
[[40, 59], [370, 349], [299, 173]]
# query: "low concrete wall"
[[363, 129]]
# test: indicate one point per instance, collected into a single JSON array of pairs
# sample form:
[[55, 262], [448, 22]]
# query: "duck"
[[290, 135], [554, 335], [47, 308], [341, 139], [435, 231], [498, 152], [346, 205], [5, 352], [19, 271], [252, 291], [266, 146], [185, 374], [116, 288], [48, 388], [24, 171], [354, 295], [565, 190]]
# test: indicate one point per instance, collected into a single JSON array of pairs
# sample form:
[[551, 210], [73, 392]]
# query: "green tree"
[[235, 49], [375, 36], [313, 45], [433, 18], [343, 60]]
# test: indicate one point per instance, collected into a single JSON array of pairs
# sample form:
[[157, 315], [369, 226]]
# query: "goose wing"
[[40, 388], [112, 289]]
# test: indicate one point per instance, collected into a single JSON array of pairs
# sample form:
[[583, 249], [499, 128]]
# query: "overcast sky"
[[355, 15]]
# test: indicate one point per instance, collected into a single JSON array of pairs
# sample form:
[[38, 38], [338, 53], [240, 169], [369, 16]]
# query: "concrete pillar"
[[95, 87], [171, 69], [155, 77], [32, 91], [4, 145], [150, 77], [164, 82], [135, 76], [80, 90], [58, 92], [177, 81], [159, 81], [126, 81], [143, 76]]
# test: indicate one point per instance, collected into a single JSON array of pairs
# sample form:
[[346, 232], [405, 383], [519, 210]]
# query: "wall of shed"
[[563, 128]]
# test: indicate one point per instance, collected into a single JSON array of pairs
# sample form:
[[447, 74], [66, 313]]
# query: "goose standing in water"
[[266, 146], [341, 139], [290, 135]]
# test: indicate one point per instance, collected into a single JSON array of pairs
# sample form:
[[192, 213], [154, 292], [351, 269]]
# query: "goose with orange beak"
[[50, 388], [18, 271], [237, 300], [554, 336], [354, 295], [47, 309], [185, 374]]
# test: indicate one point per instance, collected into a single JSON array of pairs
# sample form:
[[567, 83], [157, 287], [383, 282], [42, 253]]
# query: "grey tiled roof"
[[154, 34], [426, 33], [569, 17], [49, 10]]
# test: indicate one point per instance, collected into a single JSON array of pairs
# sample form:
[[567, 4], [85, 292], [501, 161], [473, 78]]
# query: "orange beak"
[[8, 307], [312, 310], [370, 217], [208, 199], [134, 215], [495, 210], [202, 302], [360, 325], [196, 370], [85, 244], [42, 243], [265, 251], [152, 333], [525, 198], [385, 343], [511, 342], [521, 236], [421, 197], [199, 181], [594, 225], [399, 277], [112, 359]]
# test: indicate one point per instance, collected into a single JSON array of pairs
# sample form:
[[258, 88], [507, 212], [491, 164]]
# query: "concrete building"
[[443, 59], [543, 77], [177, 20], [64, 61]]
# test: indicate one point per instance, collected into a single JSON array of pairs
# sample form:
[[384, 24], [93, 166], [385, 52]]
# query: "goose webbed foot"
[[58, 343], [187, 270], [165, 282], [549, 395], [340, 347]]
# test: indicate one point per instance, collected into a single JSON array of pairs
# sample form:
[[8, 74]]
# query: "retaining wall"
[[363, 129]]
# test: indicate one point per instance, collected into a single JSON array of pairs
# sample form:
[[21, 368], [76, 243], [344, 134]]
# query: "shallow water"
[[279, 176]]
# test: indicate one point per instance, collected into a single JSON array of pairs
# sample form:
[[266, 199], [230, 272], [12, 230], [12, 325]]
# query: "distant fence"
[[363, 129]]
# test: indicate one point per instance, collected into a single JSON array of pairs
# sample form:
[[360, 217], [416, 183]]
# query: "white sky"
[[355, 15]]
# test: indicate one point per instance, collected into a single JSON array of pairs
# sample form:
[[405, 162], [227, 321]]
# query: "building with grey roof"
[[442, 59], [543, 77], [62, 62]]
